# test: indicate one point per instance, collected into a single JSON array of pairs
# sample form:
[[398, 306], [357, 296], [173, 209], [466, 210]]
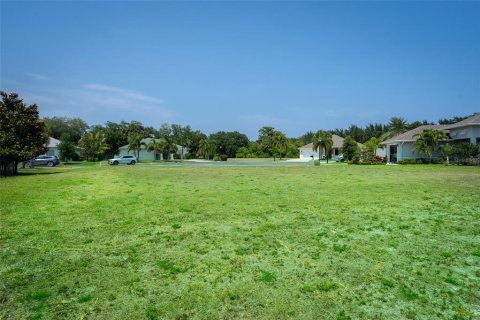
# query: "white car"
[[127, 159]]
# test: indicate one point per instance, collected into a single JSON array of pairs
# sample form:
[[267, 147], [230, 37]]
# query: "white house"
[[400, 147], [52, 146], [306, 151], [152, 155]]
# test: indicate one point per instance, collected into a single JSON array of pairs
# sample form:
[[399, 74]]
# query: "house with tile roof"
[[152, 155], [400, 147], [306, 151]]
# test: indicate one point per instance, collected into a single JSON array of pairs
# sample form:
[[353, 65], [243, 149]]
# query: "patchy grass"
[[345, 242]]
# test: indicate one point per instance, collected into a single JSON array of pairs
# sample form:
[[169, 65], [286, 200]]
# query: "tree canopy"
[[58, 127], [22, 133]]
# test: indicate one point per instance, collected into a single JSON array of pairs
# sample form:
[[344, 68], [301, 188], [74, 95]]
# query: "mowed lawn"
[[305, 242]]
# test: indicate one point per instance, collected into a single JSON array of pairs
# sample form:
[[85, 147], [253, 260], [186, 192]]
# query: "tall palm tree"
[[155, 146], [279, 143], [162, 146], [168, 146], [135, 143], [322, 140], [206, 148], [428, 141], [397, 125]]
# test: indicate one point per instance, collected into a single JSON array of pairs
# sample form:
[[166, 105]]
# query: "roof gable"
[[52, 142]]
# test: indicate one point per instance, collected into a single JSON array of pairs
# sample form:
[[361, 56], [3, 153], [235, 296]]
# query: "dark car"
[[49, 161]]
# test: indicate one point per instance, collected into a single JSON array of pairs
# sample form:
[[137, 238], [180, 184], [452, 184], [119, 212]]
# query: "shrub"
[[188, 156], [410, 161], [469, 162], [216, 158], [421, 161], [223, 157]]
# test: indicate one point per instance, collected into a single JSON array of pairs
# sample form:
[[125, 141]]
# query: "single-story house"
[[52, 145], [400, 147], [152, 155], [306, 151]]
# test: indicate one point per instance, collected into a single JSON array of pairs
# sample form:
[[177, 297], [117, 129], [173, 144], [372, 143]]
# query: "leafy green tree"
[[371, 145], [265, 139], [428, 141], [181, 135], [243, 152], [114, 137], [322, 140], [207, 148], [447, 151], [349, 148], [93, 145], [229, 142], [193, 142], [464, 150], [22, 134], [66, 147], [57, 127]]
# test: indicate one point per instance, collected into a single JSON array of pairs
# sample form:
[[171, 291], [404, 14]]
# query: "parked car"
[[339, 158], [43, 160], [127, 159]]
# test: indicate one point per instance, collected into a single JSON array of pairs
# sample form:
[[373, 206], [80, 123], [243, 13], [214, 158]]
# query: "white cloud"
[[263, 120], [121, 93], [37, 76], [95, 103]]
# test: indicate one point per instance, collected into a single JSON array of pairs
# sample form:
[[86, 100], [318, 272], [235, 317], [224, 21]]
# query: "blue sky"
[[296, 66]]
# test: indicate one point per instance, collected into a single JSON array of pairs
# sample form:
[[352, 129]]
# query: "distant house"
[[306, 151], [52, 146], [152, 155], [400, 147]]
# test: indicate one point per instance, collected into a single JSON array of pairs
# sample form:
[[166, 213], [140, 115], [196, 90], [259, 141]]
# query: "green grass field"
[[305, 242]]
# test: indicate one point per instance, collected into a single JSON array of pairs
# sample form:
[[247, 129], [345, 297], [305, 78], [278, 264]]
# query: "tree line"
[[23, 135]]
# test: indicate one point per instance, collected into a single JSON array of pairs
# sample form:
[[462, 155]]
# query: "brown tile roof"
[[409, 135], [337, 143], [472, 121]]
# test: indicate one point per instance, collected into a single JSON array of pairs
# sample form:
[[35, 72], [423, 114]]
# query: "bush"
[[421, 161], [409, 161], [469, 162], [223, 157], [188, 156]]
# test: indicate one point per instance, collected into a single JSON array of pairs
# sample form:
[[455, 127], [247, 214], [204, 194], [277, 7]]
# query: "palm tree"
[[279, 143], [135, 143], [167, 145], [428, 141], [396, 126], [162, 146], [155, 146], [322, 140], [206, 148]]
